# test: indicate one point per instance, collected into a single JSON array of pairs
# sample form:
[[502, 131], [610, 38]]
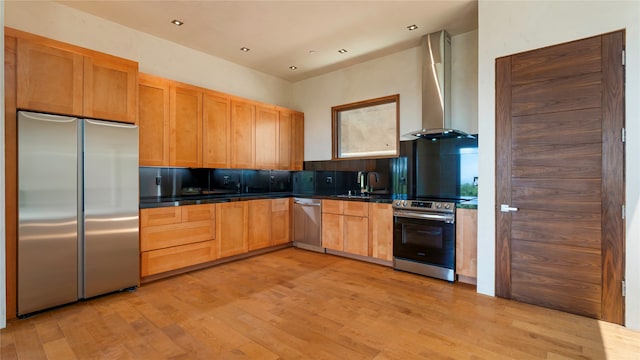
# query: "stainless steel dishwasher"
[[307, 224]]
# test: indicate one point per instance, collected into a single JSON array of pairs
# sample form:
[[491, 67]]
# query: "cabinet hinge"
[[624, 288], [624, 135], [624, 57]]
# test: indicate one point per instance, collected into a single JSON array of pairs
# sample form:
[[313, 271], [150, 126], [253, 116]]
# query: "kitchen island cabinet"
[[59, 78], [466, 245]]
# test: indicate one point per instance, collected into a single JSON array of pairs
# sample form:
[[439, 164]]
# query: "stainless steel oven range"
[[424, 237]]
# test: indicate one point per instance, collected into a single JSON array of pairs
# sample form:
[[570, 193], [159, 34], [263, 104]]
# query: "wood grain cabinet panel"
[[333, 206], [285, 140], [186, 126], [243, 115], [175, 237], [216, 131], [177, 257], [332, 231], [466, 245], [381, 231], [160, 227], [49, 79], [110, 88], [232, 228], [355, 208], [260, 220], [297, 144], [356, 235], [266, 138], [153, 120], [280, 221]]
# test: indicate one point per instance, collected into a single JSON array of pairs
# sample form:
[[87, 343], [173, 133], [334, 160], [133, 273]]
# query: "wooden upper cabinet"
[[216, 128], [297, 144], [49, 79], [285, 130], [153, 120], [110, 90], [266, 138], [185, 122], [59, 78], [243, 134]]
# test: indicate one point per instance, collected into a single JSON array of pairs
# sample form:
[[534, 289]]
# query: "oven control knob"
[[438, 205], [447, 206], [404, 203]]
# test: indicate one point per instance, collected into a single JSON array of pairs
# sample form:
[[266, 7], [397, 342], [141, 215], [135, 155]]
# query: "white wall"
[[397, 73], [154, 55], [508, 27]]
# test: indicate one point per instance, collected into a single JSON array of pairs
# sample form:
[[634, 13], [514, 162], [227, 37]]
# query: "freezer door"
[[47, 211], [111, 246]]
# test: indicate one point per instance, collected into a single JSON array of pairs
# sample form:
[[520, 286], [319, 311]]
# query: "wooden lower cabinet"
[[260, 224], [176, 237], [176, 257], [466, 245], [280, 221], [232, 220], [345, 226], [381, 231]]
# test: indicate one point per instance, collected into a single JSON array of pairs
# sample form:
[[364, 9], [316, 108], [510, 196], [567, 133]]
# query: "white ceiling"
[[285, 33]]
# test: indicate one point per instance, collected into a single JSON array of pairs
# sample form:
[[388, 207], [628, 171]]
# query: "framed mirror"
[[366, 129]]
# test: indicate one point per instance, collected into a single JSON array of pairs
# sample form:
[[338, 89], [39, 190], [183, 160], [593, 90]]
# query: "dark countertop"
[[155, 202]]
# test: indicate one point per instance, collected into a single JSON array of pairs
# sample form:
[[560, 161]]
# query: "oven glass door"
[[426, 241]]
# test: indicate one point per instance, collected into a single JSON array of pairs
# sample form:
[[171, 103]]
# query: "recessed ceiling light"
[[177, 22], [412, 27], [245, 49], [293, 67], [342, 51], [311, 52]]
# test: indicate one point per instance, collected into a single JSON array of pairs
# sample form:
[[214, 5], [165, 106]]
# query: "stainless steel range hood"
[[436, 88]]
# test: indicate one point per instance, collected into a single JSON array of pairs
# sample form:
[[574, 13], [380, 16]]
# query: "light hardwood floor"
[[295, 304]]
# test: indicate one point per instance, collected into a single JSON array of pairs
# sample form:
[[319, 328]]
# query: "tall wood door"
[[266, 138], [153, 120], [243, 117], [560, 160], [280, 221], [186, 126], [381, 231], [49, 79], [216, 128]]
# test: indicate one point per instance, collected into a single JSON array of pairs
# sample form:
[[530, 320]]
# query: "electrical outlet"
[[329, 180]]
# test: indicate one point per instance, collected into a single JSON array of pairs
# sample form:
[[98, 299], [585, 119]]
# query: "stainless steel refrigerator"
[[77, 209]]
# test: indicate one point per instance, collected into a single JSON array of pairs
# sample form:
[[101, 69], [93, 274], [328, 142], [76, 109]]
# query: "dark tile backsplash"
[[318, 178]]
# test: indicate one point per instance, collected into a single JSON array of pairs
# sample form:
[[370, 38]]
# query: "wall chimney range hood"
[[436, 88]]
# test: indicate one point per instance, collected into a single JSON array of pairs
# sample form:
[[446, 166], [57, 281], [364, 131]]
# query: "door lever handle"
[[507, 208]]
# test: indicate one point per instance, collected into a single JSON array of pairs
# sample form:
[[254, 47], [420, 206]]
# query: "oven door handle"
[[416, 215]]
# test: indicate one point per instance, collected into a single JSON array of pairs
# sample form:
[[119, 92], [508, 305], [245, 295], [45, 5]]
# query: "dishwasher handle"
[[307, 204]]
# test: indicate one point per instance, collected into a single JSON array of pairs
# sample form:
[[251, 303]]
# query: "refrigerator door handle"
[[114, 124], [48, 117]]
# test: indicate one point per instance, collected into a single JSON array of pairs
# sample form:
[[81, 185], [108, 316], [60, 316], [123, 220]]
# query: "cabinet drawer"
[[280, 205], [203, 212], [162, 236], [332, 206], [158, 261], [160, 216], [355, 208]]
